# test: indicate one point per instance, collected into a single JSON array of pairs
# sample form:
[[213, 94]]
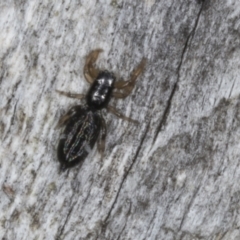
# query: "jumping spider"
[[84, 124]]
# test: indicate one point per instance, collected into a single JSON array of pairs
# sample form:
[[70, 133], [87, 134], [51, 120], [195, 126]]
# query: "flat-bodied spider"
[[83, 125]]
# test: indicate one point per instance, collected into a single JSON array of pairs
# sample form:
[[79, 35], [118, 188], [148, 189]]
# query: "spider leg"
[[120, 115], [90, 72], [101, 141], [63, 119], [71, 95], [124, 88]]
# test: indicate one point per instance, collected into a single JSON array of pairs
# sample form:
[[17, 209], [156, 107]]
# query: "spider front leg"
[[90, 72], [71, 95], [124, 88], [102, 138], [120, 115]]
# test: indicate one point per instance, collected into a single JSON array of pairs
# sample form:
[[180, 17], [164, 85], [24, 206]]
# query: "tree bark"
[[176, 174]]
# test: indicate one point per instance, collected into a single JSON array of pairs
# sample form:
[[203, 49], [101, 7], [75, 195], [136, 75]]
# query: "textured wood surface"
[[176, 175]]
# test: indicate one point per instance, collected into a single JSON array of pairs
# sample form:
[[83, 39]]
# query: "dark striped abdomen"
[[79, 136]]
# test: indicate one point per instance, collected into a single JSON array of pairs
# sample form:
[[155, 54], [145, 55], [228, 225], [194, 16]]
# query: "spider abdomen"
[[79, 136]]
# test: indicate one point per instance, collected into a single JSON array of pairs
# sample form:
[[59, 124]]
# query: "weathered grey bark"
[[176, 175]]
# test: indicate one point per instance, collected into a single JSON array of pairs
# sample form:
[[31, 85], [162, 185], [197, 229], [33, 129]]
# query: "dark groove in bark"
[[150, 224], [65, 223], [121, 232], [59, 235], [126, 174], [189, 206], [169, 102]]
